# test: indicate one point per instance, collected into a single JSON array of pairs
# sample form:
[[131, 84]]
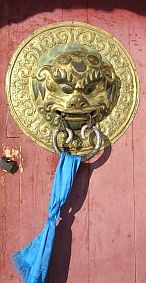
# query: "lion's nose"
[[78, 102]]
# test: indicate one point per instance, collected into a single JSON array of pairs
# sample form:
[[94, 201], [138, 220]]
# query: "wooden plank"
[[111, 200], [75, 11], [9, 238], [11, 212], [137, 50], [9, 190], [9, 201]]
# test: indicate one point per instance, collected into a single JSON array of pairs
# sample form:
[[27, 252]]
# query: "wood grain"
[[137, 50], [9, 190]]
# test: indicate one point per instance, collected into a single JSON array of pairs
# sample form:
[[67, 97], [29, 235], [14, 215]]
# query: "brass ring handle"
[[54, 138], [98, 142], [70, 136]]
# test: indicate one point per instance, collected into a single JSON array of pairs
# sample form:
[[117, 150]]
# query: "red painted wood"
[[9, 191], [111, 217], [39, 167], [12, 201], [137, 50], [75, 11], [101, 237]]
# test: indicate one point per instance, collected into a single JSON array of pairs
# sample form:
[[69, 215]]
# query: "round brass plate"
[[43, 41]]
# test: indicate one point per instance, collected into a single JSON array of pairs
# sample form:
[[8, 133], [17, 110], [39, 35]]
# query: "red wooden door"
[[102, 235]]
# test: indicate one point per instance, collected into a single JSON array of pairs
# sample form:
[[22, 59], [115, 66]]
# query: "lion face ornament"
[[76, 86]]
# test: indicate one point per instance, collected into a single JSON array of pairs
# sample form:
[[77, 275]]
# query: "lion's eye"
[[89, 88], [66, 88], [94, 60]]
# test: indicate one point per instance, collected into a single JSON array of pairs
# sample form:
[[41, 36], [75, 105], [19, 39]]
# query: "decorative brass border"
[[44, 39]]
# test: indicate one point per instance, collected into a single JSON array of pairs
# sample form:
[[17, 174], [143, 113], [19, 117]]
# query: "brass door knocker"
[[72, 87]]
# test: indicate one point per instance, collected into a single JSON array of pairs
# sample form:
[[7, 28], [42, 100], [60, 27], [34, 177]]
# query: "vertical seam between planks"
[[134, 210], [4, 231], [20, 199], [88, 192], [134, 196]]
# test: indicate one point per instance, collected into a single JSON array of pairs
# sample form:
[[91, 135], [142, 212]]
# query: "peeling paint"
[[14, 152], [21, 169]]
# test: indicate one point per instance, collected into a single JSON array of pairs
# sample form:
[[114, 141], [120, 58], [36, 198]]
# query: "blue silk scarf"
[[33, 260]]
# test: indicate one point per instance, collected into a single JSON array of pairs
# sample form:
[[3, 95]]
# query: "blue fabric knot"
[[55, 213], [33, 260]]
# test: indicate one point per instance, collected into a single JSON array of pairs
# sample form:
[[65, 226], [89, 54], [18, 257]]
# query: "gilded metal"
[[75, 83], [72, 72]]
